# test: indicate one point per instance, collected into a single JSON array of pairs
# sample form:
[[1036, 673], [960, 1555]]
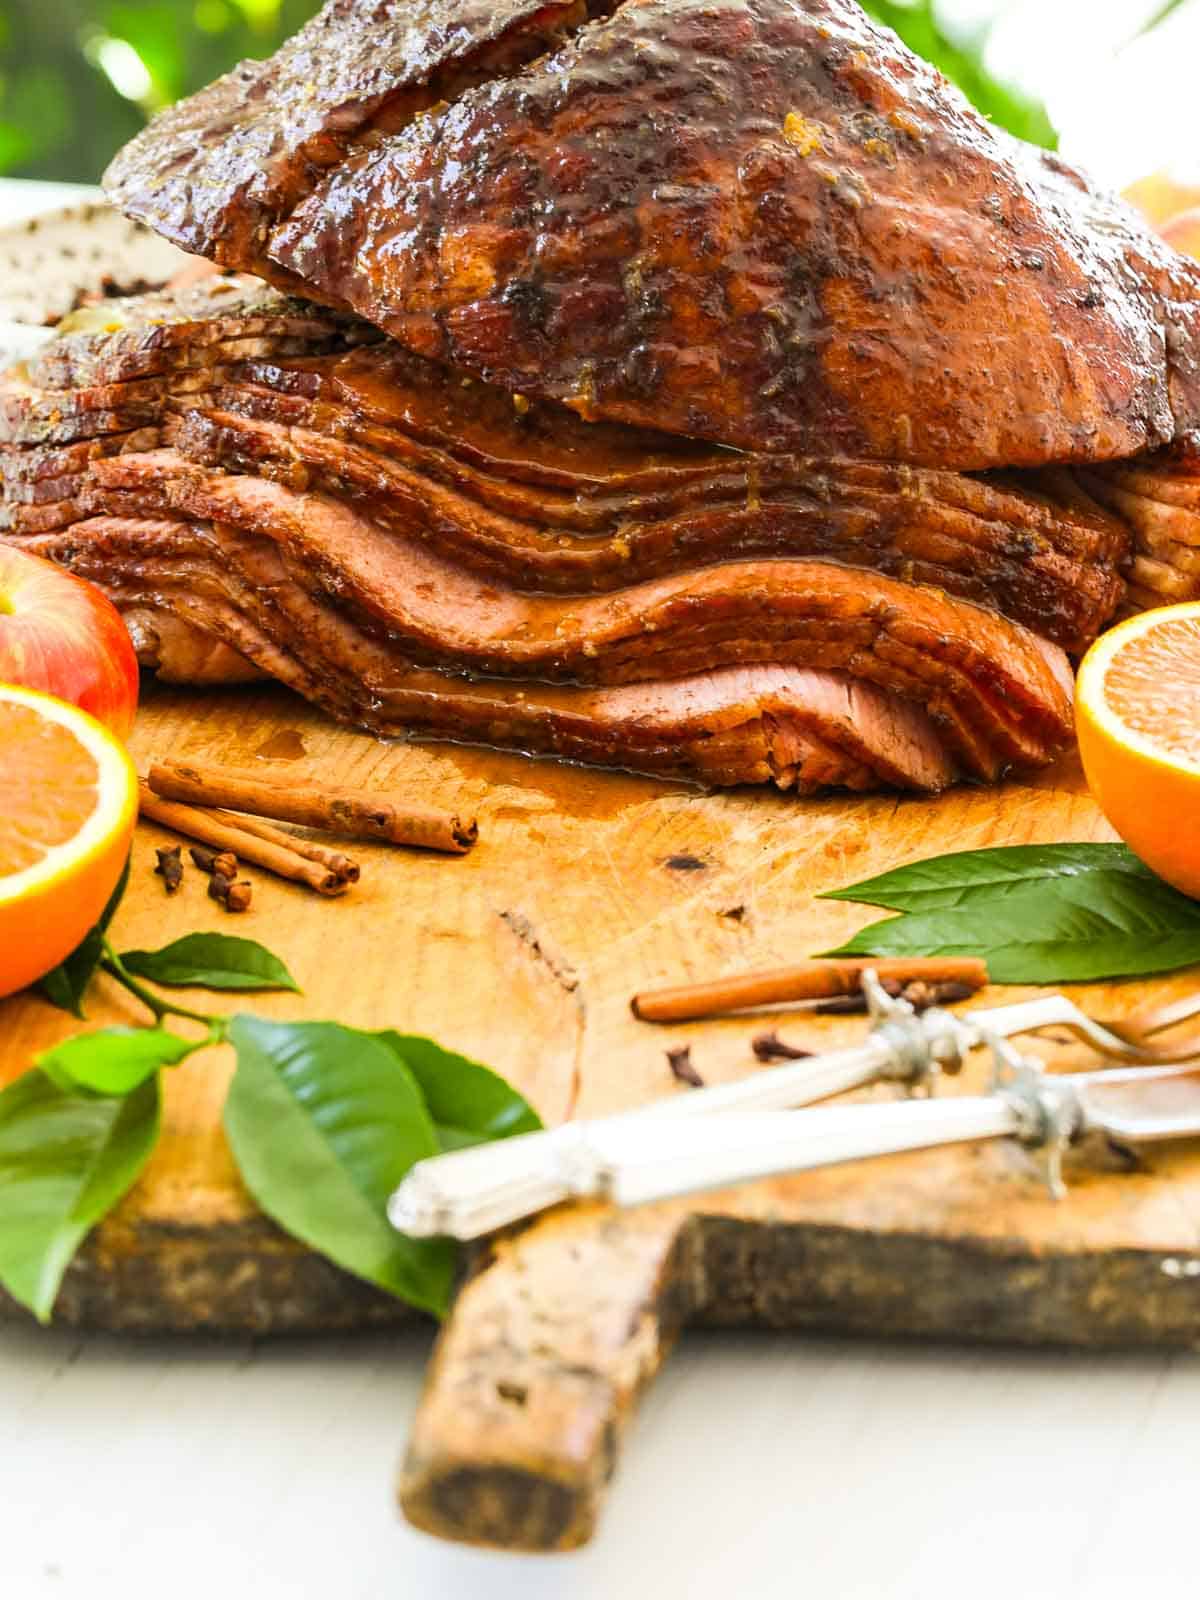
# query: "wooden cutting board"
[[583, 888]]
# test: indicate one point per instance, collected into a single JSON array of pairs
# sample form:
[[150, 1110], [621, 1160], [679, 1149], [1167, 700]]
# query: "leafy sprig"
[[66, 1158], [1060, 913], [323, 1120]]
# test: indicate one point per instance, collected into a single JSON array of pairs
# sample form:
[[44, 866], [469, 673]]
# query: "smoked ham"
[[696, 386]]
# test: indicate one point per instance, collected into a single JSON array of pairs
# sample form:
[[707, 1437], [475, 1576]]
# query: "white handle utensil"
[[633, 1164], [467, 1193]]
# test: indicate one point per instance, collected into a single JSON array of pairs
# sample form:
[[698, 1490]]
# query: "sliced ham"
[[540, 500], [210, 607], [415, 553]]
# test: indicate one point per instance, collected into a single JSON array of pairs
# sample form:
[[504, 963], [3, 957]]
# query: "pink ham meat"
[[196, 618], [417, 554], [537, 499], [998, 695]]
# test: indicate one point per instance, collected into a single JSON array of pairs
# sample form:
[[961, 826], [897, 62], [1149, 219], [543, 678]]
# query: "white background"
[[760, 1466]]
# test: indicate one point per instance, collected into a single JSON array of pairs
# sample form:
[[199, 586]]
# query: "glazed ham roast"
[[695, 386]]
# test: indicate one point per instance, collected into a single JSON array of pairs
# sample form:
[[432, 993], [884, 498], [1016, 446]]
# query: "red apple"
[[61, 635]]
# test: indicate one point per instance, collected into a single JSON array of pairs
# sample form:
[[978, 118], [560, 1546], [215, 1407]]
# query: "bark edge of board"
[[235, 1278], [535, 1380]]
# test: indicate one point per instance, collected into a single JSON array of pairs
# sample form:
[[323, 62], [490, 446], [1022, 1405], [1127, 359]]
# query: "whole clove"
[[920, 994], [680, 1062], [947, 993], [238, 895], [212, 829], [221, 862], [770, 1047], [170, 866], [219, 886]]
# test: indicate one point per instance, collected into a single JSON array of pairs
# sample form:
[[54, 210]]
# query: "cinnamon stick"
[[346, 869], [386, 817], [807, 980], [212, 829]]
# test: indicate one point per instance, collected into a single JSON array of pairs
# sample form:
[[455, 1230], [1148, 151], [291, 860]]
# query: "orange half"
[[68, 804], [1137, 712]]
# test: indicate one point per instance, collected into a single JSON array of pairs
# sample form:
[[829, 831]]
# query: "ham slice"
[[770, 226], [1159, 501], [417, 554], [538, 500], [196, 600]]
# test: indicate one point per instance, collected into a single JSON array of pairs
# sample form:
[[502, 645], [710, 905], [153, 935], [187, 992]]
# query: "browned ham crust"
[[233, 160], [751, 410], [760, 222]]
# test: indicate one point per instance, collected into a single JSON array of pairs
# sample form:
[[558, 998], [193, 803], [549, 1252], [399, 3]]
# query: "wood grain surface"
[[585, 887]]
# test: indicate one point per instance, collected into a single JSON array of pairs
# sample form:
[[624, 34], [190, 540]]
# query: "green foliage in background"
[[78, 77], [961, 59]]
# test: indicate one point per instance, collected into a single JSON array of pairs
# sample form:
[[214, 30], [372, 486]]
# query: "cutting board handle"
[[536, 1375]]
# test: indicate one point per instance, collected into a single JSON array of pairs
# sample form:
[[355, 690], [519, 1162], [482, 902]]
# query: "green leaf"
[[324, 1122], [1065, 930], [67, 984], [951, 880], [962, 59], [1158, 17], [65, 1160], [114, 1061], [211, 961], [468, 1102]]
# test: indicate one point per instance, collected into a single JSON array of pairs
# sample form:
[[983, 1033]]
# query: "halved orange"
[[68, 804], [1137, 713]]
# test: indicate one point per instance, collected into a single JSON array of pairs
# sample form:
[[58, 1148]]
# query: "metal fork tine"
[[1054, 1011]]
